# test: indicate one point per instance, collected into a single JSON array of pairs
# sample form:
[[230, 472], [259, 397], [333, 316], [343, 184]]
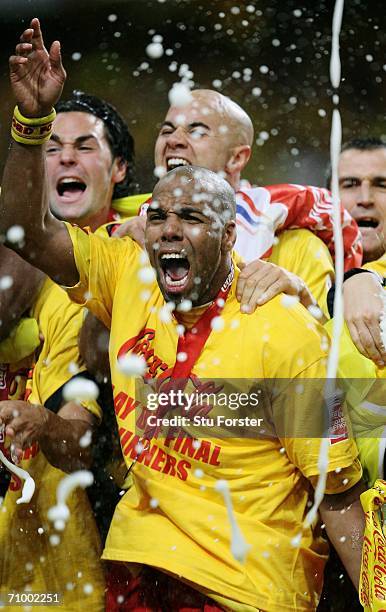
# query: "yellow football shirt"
[[304, 254], [28, 555], [379, 265], [172, 517], [21, 342], [365, 388]]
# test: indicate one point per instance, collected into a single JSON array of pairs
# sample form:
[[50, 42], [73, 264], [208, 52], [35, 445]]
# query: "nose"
[[67, 155], [365, 194], [177, 138], [172, 229]]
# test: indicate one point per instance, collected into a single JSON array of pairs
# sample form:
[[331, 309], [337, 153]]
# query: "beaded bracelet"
[[31, 130]]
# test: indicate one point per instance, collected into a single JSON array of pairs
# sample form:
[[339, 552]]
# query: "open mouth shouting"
[[175, 162], [70, 189], [175, 271], [369, 225]]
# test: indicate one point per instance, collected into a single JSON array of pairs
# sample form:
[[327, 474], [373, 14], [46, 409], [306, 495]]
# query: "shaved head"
[[190, 233], [206, 186], [234, 117], [210, 131]]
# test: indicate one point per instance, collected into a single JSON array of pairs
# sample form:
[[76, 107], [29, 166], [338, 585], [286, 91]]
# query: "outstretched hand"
[[37, 76]]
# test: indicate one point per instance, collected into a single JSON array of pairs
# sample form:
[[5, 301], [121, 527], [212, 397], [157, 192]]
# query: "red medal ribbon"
[[191, 343]]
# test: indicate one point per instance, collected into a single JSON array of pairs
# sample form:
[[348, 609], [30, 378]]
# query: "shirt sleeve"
[[56, 400], [302, 417], [21, 342], [363, 385], [302, 253], [59, 322], [100, 261]]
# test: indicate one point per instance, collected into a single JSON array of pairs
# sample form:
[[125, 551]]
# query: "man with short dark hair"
[[362, 187], [362, 190], [91, 181], [85, 131]]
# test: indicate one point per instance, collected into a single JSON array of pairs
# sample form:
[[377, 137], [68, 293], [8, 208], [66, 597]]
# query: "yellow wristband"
[[31, 130], [34, 121]]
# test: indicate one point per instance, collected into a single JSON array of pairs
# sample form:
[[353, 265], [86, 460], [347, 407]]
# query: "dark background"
[[226, 42]]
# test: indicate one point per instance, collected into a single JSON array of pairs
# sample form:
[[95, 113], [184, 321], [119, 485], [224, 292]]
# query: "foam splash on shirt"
[[239, 547], [60, 513]]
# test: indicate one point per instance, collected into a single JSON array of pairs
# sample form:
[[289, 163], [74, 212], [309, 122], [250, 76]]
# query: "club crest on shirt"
[[141, 345]]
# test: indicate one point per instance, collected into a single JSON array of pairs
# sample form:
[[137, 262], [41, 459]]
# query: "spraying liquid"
[[332, 363], [239, 547], [29, 483], [60, 513]]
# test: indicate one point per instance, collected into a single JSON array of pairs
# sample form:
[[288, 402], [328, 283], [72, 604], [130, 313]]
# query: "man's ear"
[[238, 159], [119, 170], [229, 236]]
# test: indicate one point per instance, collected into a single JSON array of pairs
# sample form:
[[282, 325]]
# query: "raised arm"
[[37, 78]]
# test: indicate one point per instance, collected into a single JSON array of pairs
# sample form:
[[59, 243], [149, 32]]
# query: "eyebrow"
[[182, 210], [353, 177], [348, 177], [78, 141], [191, 209], [191, 125]]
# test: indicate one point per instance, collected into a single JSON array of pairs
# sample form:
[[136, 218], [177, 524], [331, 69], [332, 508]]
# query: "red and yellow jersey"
[[28, 556], [16, 357], [173, 517]]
